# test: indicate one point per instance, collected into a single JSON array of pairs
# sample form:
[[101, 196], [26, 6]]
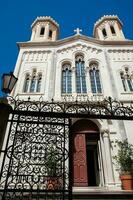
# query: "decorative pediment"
[[79, 46]]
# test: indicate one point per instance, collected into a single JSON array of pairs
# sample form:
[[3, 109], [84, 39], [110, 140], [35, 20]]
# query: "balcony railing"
[[82, 97]]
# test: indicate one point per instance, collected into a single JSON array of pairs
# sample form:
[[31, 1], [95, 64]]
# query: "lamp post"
[[8, 82]]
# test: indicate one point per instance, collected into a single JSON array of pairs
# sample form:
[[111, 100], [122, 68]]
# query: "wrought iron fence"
[[107, 108], [36, 160]]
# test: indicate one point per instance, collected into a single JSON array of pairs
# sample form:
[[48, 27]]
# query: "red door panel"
[[79, 161]]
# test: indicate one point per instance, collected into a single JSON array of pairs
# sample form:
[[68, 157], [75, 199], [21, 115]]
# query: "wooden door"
[[80, 161]]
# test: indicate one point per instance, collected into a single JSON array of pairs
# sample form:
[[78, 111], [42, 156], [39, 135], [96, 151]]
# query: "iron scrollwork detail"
[[25, 167], [107, 108]]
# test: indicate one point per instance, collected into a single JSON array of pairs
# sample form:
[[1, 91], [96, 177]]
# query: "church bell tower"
[[109, 27], [44, 29]]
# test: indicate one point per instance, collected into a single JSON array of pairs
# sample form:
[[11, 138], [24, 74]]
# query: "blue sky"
[[16, 16]]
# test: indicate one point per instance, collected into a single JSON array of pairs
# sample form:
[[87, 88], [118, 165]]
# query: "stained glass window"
[[66, 79], [126, 80], [95, 79], [80, 75], [33, 83]]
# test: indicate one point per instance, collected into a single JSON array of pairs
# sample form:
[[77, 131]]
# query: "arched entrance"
[[86, 138]]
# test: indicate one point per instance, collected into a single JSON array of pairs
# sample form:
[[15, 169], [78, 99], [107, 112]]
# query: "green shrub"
[[124, 157]]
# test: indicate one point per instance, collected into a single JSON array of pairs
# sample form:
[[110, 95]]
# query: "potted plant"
[[124, 162], [53, 169]]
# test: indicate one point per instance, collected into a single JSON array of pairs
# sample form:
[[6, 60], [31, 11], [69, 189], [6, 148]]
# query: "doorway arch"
[[86, 137]]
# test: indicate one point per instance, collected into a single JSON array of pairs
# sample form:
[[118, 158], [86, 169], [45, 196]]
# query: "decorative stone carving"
[[121, 54], [79, 47], [35, 56]]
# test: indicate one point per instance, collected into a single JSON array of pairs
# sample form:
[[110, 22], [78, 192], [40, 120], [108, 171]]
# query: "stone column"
[[88, 84], [104, 164], [110, 174], [73, 80], [5, 109], [46, 34]]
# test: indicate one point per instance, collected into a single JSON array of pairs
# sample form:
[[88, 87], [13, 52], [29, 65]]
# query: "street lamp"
[[8, 82]]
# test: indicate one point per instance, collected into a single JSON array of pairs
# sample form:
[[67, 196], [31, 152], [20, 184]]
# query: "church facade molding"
[[68, 40]]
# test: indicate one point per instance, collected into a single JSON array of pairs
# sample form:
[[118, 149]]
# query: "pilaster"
[[110, 174]]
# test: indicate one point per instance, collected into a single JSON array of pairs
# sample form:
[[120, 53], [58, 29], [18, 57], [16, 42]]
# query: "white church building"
[[81, 68]]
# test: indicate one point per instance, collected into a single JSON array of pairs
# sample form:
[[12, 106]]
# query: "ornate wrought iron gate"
[[36, 162], [35, 158]]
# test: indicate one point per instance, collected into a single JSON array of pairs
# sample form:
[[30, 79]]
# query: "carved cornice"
[[76, 38], [120, 50], [106, 18], [44, 18]]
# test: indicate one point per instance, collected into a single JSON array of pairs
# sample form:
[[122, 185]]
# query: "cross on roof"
[[77, 30]]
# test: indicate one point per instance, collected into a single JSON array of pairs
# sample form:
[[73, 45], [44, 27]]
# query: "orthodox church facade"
[[80, 68]]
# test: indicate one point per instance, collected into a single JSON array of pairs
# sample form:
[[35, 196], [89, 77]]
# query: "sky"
[[16, 17]]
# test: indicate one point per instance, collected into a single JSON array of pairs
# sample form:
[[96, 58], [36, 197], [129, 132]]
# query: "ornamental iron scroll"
[[107, 108], [35, 158]]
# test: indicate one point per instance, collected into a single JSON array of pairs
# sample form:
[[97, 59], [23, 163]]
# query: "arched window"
[[126, 79], [95, 78], [104, 32], [26, 83], [80, 74], [42, 31], [38, 88], [50, 33], [33, 83], [66, 79], [112, 30]]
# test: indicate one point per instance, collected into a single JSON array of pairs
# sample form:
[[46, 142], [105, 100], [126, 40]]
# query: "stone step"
[[109, 195]]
